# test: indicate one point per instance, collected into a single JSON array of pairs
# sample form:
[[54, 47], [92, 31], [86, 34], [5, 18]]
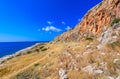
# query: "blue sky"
[[40, 20]]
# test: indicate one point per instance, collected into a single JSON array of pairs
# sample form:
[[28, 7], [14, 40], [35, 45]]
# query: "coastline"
[[18, 53]]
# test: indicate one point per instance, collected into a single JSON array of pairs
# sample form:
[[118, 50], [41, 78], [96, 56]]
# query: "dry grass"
[[18, 63], [78, 75], [62, 55]]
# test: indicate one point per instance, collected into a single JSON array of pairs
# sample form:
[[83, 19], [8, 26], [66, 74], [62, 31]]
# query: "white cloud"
[[49, 22], [63, 22], [68, 28], [51, 28]]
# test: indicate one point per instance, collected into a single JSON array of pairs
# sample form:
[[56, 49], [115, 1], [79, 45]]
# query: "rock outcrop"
[[96, 21], [62, 74], [111, 35]]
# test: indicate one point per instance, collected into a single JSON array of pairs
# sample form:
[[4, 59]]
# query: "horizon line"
[[25, 41]]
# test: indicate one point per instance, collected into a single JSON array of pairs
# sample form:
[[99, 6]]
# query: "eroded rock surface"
[[96, 21], [111, 35]]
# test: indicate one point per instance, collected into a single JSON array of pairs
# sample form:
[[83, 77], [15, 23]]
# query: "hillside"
[[96, 21], [89, 51]]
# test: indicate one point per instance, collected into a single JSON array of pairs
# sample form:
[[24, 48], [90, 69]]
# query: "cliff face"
[[96, 21]]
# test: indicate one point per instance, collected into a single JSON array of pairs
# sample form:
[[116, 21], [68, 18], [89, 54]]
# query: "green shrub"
[[89, 38], [44, 49], [41, 47], [29, 52], [114, 45], [117, 43], [18, 54], [37, 64], [116, 20], [37, 50]]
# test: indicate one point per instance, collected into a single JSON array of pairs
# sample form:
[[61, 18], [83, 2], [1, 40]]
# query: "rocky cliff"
[[96, 21]]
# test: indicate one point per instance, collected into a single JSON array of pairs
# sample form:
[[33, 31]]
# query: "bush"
[[37, 64], [41, 47], [44, 49], [29, 52], [116, 20], [114, 45], [37, 50], [89, 38]]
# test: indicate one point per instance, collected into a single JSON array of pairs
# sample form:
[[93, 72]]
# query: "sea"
[[8, 48]]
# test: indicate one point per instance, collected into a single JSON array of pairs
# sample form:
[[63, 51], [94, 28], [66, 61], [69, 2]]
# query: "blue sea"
[[7, 48]]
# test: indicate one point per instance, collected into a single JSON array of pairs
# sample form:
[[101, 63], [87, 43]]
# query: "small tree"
[[116, 20]]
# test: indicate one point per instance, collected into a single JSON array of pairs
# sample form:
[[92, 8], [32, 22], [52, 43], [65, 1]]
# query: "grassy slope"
[[46, 64]]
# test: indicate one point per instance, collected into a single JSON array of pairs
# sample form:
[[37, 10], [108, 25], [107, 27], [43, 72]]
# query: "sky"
[[40, 20]]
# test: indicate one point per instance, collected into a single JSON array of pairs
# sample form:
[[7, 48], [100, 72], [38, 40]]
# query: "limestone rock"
[[118, 77], [99, 47], [89, 69], [62, 74], [110, 35], [98, 71], [109, 77]]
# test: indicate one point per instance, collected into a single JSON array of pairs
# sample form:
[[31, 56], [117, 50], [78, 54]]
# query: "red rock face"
[[97, 20], [100, 16]]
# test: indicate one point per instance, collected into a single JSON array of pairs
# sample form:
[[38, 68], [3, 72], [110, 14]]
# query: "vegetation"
[[44, 49], [29, 52], [27, 74], [89, 38], [37, 64], [73, 57], [41, 47], [37, 50], [114, 45], [116, 20]]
